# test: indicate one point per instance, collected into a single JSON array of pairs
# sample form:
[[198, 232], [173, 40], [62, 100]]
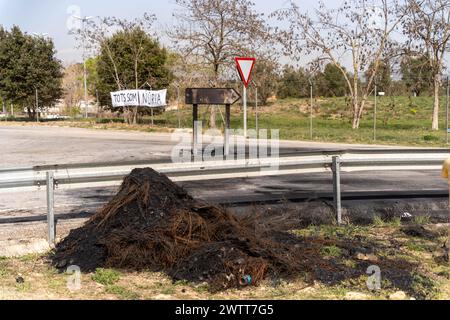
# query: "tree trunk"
[[358, 113], [437, 85], [30, 114], [355, 102], [355, 106], [135, 113], [212, 117]]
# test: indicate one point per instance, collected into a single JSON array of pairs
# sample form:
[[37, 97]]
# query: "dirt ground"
[[410, 255]]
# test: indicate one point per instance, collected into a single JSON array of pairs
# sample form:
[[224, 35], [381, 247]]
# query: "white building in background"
[[59, 110], [91, 105]]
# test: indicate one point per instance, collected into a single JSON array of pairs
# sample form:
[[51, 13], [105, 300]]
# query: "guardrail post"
[[50, 207], [448, 230], [336, 167]]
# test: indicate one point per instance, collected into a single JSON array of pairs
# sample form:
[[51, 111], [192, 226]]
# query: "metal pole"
[[446, 112], [244, 97], [194, 129], [256, 111], [375, 116], [84, 71], [4, 108], [178, 107], [336, 168], [151, 110], [447, 244], [50, 207], [12, 110], [226, 150], [37, 106], [98, 102], [310, 111]]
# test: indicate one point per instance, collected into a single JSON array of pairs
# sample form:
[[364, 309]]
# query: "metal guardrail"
[[299, 162]]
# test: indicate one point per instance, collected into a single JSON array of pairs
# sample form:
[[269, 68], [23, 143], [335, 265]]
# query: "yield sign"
[[245, 68]]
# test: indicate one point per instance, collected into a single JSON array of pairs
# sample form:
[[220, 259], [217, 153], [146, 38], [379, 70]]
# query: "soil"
[[154, 224], [420, 232]]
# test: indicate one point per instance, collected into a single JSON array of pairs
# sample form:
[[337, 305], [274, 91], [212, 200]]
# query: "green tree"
[[130, 60], [416, 74], [93, 80], [334, 82], [294, 83], [382, 77], [266, 78], [28, 64]]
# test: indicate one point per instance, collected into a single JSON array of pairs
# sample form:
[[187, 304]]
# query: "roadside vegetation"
[[400, 121]]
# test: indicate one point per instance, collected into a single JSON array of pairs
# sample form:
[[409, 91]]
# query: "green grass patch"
[[424, 287], [165, 288], [378, 221], [331, 251], [421, 220], [23, 287], [202, 288], [122, 292], [4, 269], [30, 257], [332, 231], [417, 245], [106, 277], [430, 137], [395, 222]]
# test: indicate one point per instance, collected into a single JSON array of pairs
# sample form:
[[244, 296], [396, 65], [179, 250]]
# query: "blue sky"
[[50, 16]]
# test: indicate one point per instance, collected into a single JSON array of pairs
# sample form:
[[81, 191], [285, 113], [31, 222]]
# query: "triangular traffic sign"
[[245, 68]]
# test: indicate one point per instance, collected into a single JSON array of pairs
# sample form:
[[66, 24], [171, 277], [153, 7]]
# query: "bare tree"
[[73, 87], [266, 77], [213, 31], [357, 30], [427, 25]]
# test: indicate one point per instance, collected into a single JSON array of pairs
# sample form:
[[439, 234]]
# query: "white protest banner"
[[139, 98]]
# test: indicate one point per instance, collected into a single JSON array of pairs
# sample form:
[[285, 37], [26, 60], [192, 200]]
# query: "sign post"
[[375, 115], [381, 94], [245, 67], [4, 108], [256, 111], [215, 96], [446, 175], [311, 109], [446, 112], [37, 106], [244, 102]]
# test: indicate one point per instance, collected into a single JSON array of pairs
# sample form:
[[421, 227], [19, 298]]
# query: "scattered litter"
[[246, 280], [406, 215]]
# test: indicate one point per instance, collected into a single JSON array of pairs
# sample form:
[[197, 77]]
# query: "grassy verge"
[[411, 267], [400, 121]]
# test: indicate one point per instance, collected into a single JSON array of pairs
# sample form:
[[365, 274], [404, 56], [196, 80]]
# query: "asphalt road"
[[37, 145]]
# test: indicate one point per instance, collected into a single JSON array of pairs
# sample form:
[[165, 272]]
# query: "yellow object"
[[446, 168]]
